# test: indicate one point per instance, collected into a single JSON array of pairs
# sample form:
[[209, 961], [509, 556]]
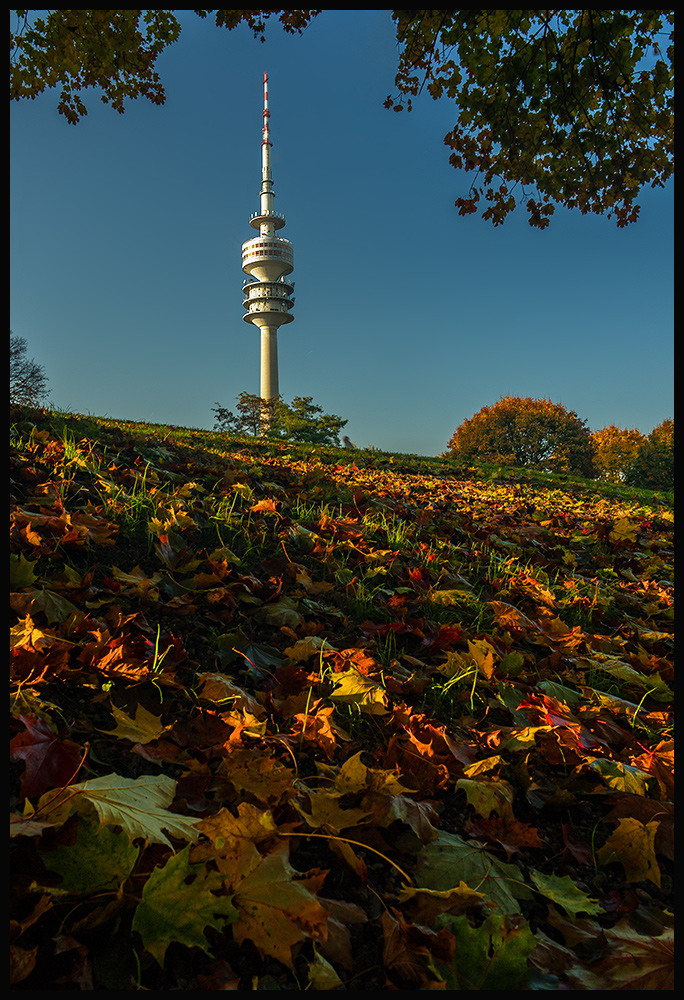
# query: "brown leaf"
[[633, 962], [278, 911], [409, 951]]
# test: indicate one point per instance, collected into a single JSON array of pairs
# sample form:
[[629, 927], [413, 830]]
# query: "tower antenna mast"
[[267, 259]]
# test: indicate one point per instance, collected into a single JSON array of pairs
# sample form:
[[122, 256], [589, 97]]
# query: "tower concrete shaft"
[[267, 259]]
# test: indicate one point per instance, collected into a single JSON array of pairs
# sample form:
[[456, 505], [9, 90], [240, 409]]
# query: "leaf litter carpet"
[[282, 718]]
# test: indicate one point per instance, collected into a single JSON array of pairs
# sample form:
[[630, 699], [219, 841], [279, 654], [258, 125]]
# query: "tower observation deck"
[[268, 259]]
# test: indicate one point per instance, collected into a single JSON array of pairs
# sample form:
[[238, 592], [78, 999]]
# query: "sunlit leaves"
[[276, 910], [139, 805], [447, 700], [526, 432], [615, 450]]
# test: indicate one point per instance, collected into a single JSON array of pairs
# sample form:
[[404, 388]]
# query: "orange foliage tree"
[[526, 432], [615, 450]]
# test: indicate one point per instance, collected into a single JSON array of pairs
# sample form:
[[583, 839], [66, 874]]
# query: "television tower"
[[267, 259]]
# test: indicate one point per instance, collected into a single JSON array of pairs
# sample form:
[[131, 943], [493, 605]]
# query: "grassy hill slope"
[[287, 717]]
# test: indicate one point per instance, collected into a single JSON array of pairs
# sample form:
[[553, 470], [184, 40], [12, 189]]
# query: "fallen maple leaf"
[[251, 823], [423, 906], [565, 892], [136, 804], [277, 910], [492, 956], [143, 729], [352, 688], [632, 845], [50, 762], [322, 975], [99, 861], [410, 950], [488, 796], [26, 633], [633, 962], [450, 860], [173, 908]]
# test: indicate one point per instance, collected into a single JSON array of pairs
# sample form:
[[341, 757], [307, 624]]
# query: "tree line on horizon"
[[540, 434], [515, 431]]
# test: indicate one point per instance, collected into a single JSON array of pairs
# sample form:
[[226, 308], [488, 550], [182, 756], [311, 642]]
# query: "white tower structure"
[[267, 259]]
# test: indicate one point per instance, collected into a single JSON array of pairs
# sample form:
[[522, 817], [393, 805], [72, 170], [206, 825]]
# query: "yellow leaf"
[[138, 805], [25, 633], [304, 648], [352, 688], [143, 729], [624, 530], [277, 911], [632, 845], [252, 823], [483, 656]]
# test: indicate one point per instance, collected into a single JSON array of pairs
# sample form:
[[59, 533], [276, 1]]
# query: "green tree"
[[569, 107], [303, 420], [28, 381], [254, 416], [526, 432], [653, 465], [615, 450]]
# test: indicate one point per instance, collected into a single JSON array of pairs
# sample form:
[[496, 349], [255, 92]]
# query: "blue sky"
[[126, 234]]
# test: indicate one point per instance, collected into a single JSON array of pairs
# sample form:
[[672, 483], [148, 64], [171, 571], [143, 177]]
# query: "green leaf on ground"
[[178, 902], [449, 860], [566, 893], [136, 804], [490, 957], [99, 861]]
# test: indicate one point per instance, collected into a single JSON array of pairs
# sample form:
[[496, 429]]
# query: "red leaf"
[[50, 762]]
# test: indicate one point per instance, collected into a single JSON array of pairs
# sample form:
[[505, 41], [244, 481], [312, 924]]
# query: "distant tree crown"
[[526, 432], [28, 381], [302, 420]]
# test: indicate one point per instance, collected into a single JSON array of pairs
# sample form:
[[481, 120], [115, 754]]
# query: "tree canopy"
[[569, 107], [653, 464], [575, 106], [526, 432], [615, 450], [302, 420]]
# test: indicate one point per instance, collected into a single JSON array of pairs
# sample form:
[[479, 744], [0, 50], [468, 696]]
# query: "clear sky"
[[126, 233]]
